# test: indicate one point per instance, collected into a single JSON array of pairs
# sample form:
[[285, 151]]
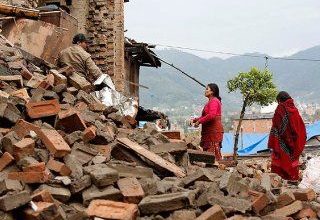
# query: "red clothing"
[[212, 129], [287, 139]]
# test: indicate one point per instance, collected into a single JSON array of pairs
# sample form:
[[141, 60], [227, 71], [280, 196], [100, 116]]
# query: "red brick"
[[5, 160], [23, 148], [131, 190], [306, 213], [58, 77], [213, 213], [89, 133], [259, 201], [112, 210], [105, 150], [48, 82], [23, 128], [42, 196], [43, 108], [304, 194], [30, 177], [285, 198], [54, 142], [289, 209], [25, 73], [44, 210], [70, 121], [38, 167], [21, 93], [58, 167], [13, 78], [172, 134]]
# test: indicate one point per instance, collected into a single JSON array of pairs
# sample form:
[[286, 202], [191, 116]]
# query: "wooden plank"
[[152, 157]]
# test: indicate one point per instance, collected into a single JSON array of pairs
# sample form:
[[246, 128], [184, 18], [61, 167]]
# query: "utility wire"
[[237, 54], [180, 70]]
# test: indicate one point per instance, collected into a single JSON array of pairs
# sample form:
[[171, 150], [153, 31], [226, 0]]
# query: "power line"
[[180, 70], [237, 54]]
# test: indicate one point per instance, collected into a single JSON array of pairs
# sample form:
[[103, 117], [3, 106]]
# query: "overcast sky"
[[275, 27]]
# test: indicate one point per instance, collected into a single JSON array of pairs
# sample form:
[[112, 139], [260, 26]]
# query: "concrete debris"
[[65, 155]]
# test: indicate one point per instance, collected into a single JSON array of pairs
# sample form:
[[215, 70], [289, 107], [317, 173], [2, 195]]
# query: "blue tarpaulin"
[[251, 143]]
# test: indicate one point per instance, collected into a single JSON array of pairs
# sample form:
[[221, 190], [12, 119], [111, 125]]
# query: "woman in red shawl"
[[212, 129], [287, 138]]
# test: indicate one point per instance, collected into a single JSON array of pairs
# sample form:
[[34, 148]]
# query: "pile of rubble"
[[65, 155]]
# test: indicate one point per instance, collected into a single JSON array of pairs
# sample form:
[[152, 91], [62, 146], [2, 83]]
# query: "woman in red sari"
[[212, 129], [287, 138]]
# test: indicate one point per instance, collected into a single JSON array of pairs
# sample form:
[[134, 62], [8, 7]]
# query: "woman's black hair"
[[215, 89], [283, 96]]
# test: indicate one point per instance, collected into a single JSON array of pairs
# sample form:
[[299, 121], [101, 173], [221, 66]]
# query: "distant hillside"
[[169, 88]]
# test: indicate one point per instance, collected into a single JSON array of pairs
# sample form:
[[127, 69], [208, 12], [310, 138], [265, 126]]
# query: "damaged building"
[[48, 30]]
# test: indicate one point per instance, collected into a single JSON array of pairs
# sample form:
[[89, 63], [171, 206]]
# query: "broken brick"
[[201, 156], [25, 73], [289, 209], [5, 160], [285, 198], [37, 167], [259, 201], [23, 128], [304, 194], [80, 184], [70, 121], [21, 93], [80, 82], [89, 133], [165, 202], [48, 82], [131, 190], [42, 196], [213, 213], [13, 78], [12, 201], [30, 177], [306, 213], [44, 210], [23, 148], [59, 193], [43, 108], [54, 142], [112, 210], [58, 167], [172, 134], [93, 193], [101, 174], [58, 77], [7, 185]]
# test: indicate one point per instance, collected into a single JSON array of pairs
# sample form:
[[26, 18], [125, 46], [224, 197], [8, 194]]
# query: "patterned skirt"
[[214, 147]]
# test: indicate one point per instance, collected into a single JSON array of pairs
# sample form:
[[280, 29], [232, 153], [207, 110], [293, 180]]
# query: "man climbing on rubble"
[[77, 57]]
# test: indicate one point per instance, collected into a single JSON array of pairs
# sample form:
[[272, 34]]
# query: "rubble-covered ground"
[[64, 155]]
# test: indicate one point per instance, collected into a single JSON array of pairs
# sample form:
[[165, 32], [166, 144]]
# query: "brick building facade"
[[254, 125]]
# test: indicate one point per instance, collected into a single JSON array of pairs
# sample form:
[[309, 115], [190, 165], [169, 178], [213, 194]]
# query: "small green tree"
[[255, 86]]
